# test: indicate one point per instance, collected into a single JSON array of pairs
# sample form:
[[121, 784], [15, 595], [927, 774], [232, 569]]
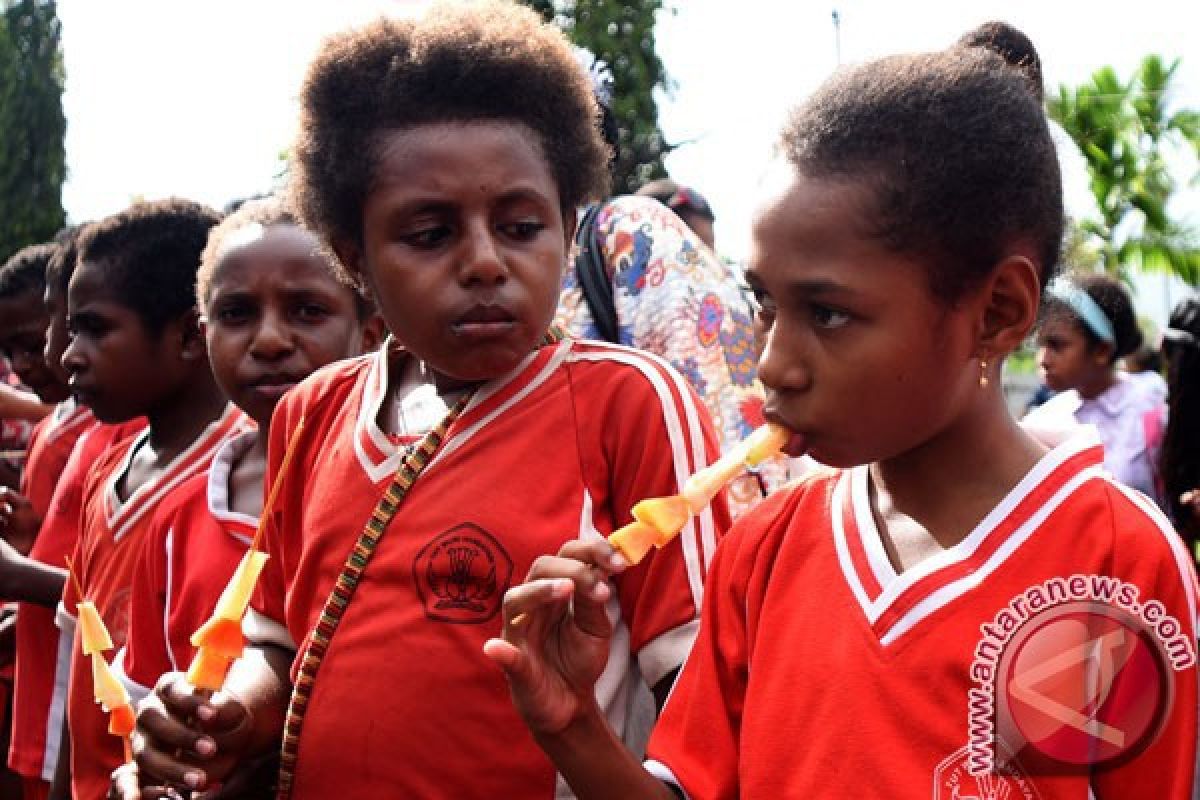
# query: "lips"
[[274, 386], [797, 443], [484, 321]]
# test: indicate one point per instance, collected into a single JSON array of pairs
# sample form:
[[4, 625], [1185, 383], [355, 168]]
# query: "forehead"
[[272, 254], [473, 158], [21, 311]]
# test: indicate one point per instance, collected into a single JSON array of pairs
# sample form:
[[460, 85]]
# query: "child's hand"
[[556, 634], [19, 523], [185, 740]]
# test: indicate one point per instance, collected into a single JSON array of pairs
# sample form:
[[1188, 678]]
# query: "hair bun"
[[1013, 46]]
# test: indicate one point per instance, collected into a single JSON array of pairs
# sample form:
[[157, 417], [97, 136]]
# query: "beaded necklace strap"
[[344, 587]]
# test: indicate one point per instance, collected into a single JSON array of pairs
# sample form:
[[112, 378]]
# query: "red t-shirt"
[[406, 703], [192, 548], [43, 652], [50, 445], [821, 672], [112, 536]]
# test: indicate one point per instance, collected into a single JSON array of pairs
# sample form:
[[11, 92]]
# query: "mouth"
[[797, 443], [484, 321], [273, 386]]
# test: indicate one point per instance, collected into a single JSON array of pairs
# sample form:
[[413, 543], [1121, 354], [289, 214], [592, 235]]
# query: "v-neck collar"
[[894, 603], [380, 456], [122, 514]]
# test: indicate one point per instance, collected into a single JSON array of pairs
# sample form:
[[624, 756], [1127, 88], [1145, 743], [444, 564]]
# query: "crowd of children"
[[366, 373]]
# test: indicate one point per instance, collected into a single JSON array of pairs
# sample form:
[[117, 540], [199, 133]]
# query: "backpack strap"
[[594, 279]]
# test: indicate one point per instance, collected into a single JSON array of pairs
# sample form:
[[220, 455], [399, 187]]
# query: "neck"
[[952, 481], [181, 418], [1100, 383]]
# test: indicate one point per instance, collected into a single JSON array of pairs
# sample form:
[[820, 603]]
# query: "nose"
[[481, 259], [781, 365], [272, 339], [73, 359], [1043, 357]]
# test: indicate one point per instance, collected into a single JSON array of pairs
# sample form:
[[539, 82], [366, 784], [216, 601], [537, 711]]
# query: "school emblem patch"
[[953, 781], [462, 575]]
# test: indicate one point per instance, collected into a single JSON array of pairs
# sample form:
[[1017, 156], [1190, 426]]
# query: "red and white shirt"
[[43, 650], [112, 537], [558, 450], [821, 672], [50, 446], [193, 546]]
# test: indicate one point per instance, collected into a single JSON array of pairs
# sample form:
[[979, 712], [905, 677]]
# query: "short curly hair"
[[1114, 300], [266, 211], [25, 271], [149, 254], [62, 264], [459, 63], [957, 151]]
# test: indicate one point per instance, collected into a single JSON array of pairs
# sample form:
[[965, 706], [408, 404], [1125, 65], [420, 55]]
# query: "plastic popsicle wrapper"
[[106, 686], [93, 634], [666, 516], [236, 597], [122, 721], [208, 669]]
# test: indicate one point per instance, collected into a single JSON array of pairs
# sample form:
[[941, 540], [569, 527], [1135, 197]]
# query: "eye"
[[311, 313], [233, 314], [762, 303], [523, 230], [426, 238], [829, 318]]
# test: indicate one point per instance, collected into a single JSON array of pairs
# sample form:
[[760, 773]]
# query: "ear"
[[374, 331], [191, 336], [1009, 307]]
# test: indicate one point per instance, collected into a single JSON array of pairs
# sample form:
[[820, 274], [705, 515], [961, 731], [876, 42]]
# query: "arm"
[[28, 580], [17, 404]]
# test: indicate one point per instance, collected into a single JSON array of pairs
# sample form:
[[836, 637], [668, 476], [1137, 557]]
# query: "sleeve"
[[1150, 555], [655, 435], [146, 655], [695, 745]]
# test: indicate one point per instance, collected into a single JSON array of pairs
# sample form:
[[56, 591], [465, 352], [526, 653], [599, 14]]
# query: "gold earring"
[[983, 373]]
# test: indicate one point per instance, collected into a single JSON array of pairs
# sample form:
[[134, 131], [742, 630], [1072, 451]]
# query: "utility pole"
[[837, 36]]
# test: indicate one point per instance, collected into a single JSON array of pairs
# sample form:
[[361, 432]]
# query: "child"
[[273, 312], [136, 350], [1180, 457], [23, 323], [443, 159], [848, 619], [1088, 325]]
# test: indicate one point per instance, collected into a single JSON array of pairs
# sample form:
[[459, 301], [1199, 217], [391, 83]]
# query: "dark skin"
[[855, 348], [23, 323], [124, 369], [1069, 359], [273, 315], [464, 239]]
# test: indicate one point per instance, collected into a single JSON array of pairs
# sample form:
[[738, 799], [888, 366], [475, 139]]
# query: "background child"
[[1180, 458], [136, 350], [1088, 324], [443, 159], [273, 313], [896, 266]]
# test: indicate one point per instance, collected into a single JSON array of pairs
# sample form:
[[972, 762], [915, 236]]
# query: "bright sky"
[[198, 99]]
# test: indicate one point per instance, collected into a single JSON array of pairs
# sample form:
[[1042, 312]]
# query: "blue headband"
[[1085, 308]]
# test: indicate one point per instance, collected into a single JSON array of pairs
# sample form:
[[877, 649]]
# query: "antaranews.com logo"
[[1073, 674]]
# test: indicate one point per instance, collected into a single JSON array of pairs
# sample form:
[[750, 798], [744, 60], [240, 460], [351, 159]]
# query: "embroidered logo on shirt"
[[462, 575]]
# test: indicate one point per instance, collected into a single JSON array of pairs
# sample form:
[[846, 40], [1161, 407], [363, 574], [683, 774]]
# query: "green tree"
[[1131, 141], [621, 33], [32, 124]]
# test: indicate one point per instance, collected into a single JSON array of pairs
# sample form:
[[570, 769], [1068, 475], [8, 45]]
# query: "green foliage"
[[32, 125], [621, 33], [1128, 136]]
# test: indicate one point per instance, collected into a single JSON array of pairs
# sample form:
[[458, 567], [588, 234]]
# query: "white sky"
[[198, 99]]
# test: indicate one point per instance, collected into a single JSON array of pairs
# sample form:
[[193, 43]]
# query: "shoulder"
[[329, 386], [192, 493], [787, 517], [604, 372]]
